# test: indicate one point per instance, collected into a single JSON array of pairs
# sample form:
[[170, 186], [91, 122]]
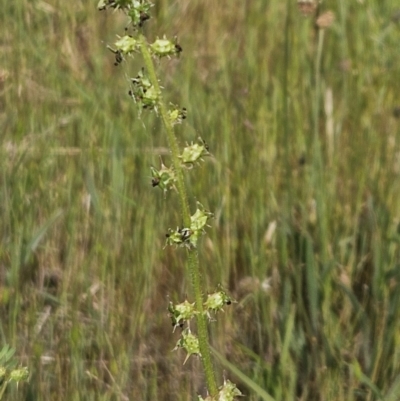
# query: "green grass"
[[84, 279]]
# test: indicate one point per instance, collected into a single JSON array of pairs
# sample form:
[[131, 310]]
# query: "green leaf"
[[244, 378], [38, 236], [394, 391]]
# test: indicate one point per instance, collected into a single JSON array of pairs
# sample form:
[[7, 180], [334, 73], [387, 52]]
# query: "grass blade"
[[244, 378]]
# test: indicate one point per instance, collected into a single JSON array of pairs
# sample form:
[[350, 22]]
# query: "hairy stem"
[[193, 259]]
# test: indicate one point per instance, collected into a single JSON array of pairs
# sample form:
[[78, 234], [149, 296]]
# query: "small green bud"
[[216, 301], [3, 372], [190, 343], [193, 153], [200, 218], [142, 80], [164, 178], [176, 115], [138, 11], [182, 312], [228, 391], [150, 98], [103, 4], [179, 237], [18, 375], [143, 92], [197, 222], [188, 237], [208, 398], [164, 47], [127, 44]]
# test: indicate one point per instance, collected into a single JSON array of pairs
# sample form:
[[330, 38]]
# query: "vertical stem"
[[172, 141], [193, 259], [285, 109], [318, 85], [318, 170]]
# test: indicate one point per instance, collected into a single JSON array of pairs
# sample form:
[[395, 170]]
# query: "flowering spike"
[[147, 93]]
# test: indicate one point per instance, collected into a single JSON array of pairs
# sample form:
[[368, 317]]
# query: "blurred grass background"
[[304, 183]]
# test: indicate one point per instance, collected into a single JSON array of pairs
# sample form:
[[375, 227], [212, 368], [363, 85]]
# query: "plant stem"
[[193, 259], [319, 182]]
